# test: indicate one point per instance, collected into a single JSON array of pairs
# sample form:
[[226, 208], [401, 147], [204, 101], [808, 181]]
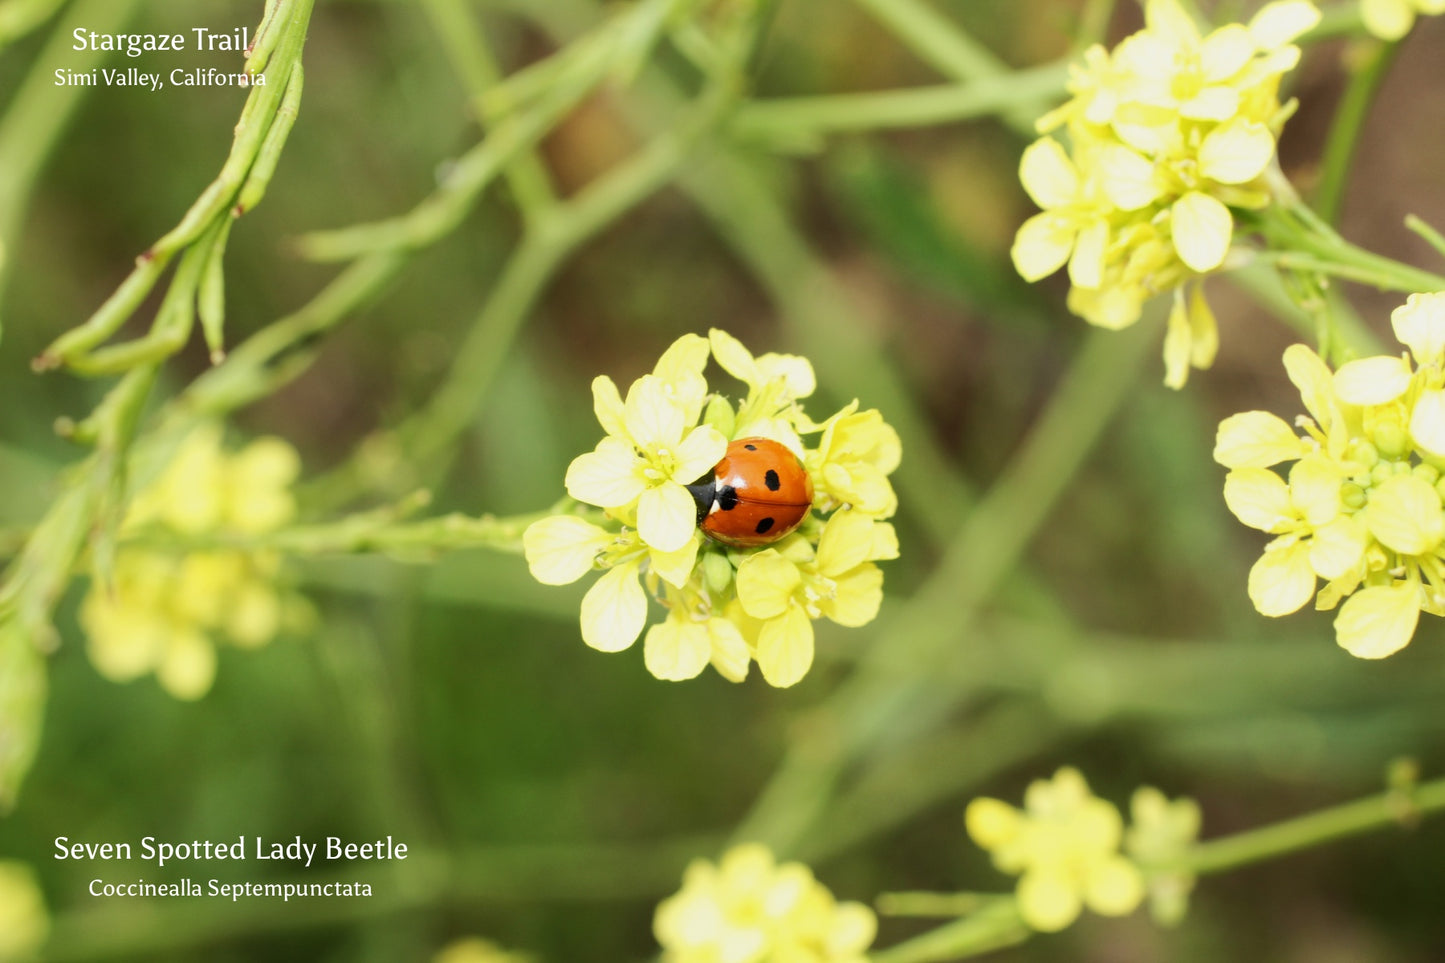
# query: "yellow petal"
[[852, 931], [1202, 228], [1338, 547], [730, 654], [992, 823], [607, 476], [702, 449], [732, 357], [766, 582], [785, 648], [1217, 103], [1282, 581], [1236, 152], [1372, 381], [1427, 422], [1204, 330], [1042, 245], [1047, 901], [1225, 52], [561, 549], [796, 372], [1256, 439], [1404, 514], [188, 667], [1048, 175], [1114, 887], [607, 405], [1419, 324], [1314, 380], [1278, 23], [1314, 488], [666, 517], [1378, 621], [846, 542], [676, 649], [1260, 499], [655, 419], [1128, 179], [675, 568], [1086, 265], [859, 593], [1169, 21], [614, 609], [1387, 19]]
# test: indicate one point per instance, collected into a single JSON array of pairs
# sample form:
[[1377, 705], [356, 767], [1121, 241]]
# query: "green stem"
[[993, 927], [1392, 808], [915, 107], [1344, 136], [943, 44], [473, 61]]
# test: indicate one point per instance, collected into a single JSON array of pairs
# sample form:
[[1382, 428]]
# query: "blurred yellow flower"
[[1160, 835], [750, 909], [471, 949], [1361, 506], [1168, 134], [1392, 19], [711, 618], [24, 923], [1064, 847], [164, 611]]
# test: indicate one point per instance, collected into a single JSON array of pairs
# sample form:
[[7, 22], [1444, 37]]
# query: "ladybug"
[[758, 493]]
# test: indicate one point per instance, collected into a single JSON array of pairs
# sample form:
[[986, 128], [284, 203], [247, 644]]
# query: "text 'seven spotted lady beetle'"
[[758, 493]]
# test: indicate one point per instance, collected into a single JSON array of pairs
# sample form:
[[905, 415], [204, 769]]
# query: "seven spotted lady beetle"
[[758, 493]]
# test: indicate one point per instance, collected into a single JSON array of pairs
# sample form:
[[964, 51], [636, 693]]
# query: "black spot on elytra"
[[727, 498], [751, 447], [772, 481], [764, 525]]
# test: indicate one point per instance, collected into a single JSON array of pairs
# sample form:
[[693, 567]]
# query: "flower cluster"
[[725, 606], [1064, 846], [750, 909], [1361, 505], [1392, 19], [1166, 134], [165, 610], [24, 923]]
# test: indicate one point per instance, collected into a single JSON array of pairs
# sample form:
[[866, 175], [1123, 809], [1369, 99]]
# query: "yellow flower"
[[1161, 834], [474, 950], [650, 453], [24, 923], [855, 456], [1074, 225], [710, 619], [1361, 506], [785, 588], [750, 909], [1064, 846], [164, 612], [203, 489], [1392, 19], [1168, 135]]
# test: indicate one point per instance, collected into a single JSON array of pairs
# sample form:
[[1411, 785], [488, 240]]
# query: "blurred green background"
[[552, 794]]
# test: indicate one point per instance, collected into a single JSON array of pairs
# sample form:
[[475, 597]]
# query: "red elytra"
[[755, 495]]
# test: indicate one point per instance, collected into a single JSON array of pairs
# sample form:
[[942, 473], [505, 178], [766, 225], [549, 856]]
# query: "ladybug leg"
[[704, 493]]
